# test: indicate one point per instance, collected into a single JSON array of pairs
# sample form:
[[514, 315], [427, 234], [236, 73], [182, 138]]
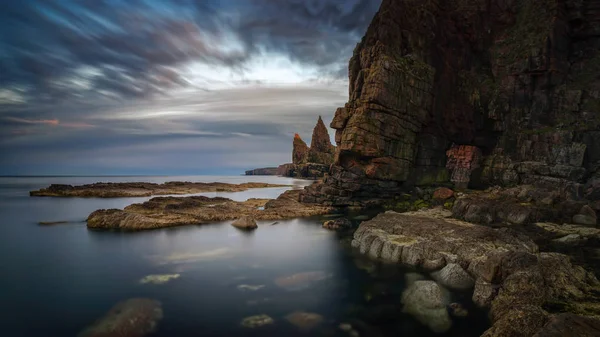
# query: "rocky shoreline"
[[142, 189], [161, 212], [528, 292]]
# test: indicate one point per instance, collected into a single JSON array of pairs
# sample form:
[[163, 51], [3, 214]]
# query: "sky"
[[111, 87]]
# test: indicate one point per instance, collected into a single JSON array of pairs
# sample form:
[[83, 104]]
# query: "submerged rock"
[[336, 224], [134, 317], [304, 320], [301, 280], [245, 223], [250, 287], [458, 310], [257, 321], [159, 278], [426, 301]]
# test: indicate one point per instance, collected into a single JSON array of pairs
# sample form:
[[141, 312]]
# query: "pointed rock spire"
[[300, 151]]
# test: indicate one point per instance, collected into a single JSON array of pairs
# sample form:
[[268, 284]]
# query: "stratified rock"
[[512, 277], [462, 161], [508, 82], [160, 212], [321, 151], [245, 222], [134, 317], [426, 301], [300, 151], [564, 325], [117, 190], [265, 171]]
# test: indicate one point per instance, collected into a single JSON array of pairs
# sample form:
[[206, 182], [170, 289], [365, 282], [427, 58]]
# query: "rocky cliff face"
[[476, 92], [263, 171]]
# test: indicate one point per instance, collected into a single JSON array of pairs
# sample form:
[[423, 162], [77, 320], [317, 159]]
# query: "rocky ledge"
[[527, 291], [141, 189], [163, 212]]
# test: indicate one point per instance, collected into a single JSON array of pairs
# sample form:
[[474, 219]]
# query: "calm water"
[[57, 280]]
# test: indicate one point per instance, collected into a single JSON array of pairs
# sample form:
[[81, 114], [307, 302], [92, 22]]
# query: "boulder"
[[336, 224], [443, 193], [245, 223], [454, 276], [135, 317], [587, 216], [426, 301]]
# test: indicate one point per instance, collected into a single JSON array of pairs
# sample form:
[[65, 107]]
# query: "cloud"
[[211, 83]]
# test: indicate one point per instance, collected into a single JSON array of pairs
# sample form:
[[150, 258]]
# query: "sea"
[[58, 280]]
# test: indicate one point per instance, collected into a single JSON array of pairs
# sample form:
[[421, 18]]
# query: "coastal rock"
[[159, 278], [512, 278], [134, 317], [118, 190], [321, 151], [300, 151], [426, 301], [160, 212], [443, 193], [304, 320], [257, 321], [501, 114], [568, 324], [245, 222], [265, 171], [586, 216], [336, 224], [453, 276], [301, 280]]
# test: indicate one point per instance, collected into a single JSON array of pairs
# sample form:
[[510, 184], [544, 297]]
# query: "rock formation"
[[310, 162], [475, 92], [263, 171]]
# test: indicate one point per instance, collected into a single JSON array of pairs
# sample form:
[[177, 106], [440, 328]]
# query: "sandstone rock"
[[567, 324], [300, 150], [304, 320], [257, 321], [426, 301], [117, 190], [321, 151], [496, 93], [336, 224], [513, 278], [443, 193], [453, 276], [245, 223], [163, 212], [265, 171], [134, 317]]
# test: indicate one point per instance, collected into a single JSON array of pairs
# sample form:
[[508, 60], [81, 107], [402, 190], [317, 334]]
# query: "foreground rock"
[[304, 320], [426, 301], [163, 212], [337, 224], [245, 223], [117, 190], [135, 317], [521, 286]]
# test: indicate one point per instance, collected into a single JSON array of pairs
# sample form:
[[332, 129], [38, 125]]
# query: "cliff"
[[265, 171], [470, 92]]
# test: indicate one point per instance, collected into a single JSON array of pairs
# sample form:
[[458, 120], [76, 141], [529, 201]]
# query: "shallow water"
[[59, 279]]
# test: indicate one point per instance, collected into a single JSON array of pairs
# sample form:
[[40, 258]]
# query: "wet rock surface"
[[521, 286], [117, 190], [426, 301], [135, 317], [245, 222], [163, 212]]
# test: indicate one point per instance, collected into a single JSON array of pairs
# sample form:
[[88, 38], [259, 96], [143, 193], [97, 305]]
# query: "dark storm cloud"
[[134, 46]]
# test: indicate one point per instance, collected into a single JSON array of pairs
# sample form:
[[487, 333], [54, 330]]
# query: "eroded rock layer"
[[514, 82], [527, 291]]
